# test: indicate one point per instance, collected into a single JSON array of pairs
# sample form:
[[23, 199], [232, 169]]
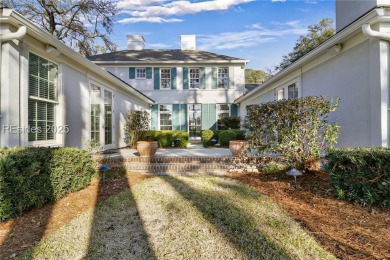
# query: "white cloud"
[[256, 35], [149, 20], [282, 1], [167, 8]]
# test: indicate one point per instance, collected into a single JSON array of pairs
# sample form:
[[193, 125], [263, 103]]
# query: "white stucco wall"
[[359, 77], [183, 96]]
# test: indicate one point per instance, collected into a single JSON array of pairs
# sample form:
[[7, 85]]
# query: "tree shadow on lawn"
[[231, 221], [117, 230]]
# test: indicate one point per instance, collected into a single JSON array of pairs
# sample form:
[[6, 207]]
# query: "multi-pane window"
[[42, 88], [165, 117], [292, 91], [165, 78], [95, 113], [194, 78], [140, 73], [223, 78], [223, 110], [107, 117], [279, 94], [195, 120]]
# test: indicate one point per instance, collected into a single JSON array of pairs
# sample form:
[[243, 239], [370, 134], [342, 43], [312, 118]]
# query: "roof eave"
[[171, 62], [351, 30]]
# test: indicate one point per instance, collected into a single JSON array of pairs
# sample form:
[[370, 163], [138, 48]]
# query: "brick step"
[[169, 159], [204, 168]]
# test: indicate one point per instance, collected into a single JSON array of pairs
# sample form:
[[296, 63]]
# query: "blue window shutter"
[[233, 110], [131, 73], [231, 78], [214, 72], [213, 116], [154, 119], [202, 78], [156, 78], [183, 117], [176, 117], [185, 78], [149, 73], [205, 116], [173, 78]]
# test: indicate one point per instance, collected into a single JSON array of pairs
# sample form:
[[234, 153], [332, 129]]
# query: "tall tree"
[[255, 76], [317, 34], [81, 24]]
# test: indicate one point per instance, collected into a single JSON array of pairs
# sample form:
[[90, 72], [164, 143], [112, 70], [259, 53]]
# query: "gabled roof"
[[157, 56]]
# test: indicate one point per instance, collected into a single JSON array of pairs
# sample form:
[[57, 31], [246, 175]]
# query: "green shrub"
[[137, 122], [225, 136], [166, 138], [32, 177], [229, 122], [207, 135], [361, 175], [296, 129]]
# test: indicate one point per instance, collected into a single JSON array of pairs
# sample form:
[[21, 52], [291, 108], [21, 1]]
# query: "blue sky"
[[258, 30]]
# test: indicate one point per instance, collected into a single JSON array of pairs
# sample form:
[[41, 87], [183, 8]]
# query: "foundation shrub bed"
[[32, 177], [227, 135], [361, 175], [166, 138]]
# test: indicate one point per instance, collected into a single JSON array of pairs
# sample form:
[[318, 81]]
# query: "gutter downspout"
[[20, 33], [384, 83]]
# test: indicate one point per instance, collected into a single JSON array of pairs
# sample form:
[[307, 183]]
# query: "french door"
[[101, 116], [194, 121]]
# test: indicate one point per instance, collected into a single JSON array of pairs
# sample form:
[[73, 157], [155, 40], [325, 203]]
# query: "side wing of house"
[[354, 68], [52, 96]]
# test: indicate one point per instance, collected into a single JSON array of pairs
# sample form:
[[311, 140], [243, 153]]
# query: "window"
[[140, 73], [165, 117], [194, 120], [292, 91], [42, 101], [223, 110], [107, 117], [279, 94], [223, 78], [165, 78], [194, 78], [95, 113]]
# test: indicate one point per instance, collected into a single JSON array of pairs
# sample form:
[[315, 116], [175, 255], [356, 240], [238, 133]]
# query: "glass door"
[[194, 121], [101, 117]]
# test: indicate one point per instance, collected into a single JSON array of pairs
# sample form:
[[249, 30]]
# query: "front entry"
[[194, 121]]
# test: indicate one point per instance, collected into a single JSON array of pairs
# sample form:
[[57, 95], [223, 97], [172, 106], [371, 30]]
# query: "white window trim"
[[136, 74], [59, 139], [285, 88], [228, 77], [189, 78], [102, 119], [170, 75], [217, 111], [159, 113]]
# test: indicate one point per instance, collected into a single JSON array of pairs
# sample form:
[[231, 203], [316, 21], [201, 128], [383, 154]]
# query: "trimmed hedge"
[[361, 175], [223, 136], [31, 177], [166, 138]]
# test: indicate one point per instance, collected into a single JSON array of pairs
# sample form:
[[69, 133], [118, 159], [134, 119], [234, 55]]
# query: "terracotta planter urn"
[[147, 148], [238, 147]]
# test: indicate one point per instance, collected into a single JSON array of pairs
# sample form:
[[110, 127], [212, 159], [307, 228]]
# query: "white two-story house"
[[191, 88]]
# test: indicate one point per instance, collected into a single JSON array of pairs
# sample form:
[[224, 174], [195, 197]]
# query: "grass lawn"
[[176, 217]]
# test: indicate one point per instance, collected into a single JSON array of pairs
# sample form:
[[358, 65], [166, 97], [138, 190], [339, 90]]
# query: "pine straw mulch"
[[18, 234], [348, 231]]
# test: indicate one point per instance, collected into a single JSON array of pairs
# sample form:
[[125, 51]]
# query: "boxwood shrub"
[[31, 177], [227, 135], [166, 138], [207, 135], [361, 175]]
